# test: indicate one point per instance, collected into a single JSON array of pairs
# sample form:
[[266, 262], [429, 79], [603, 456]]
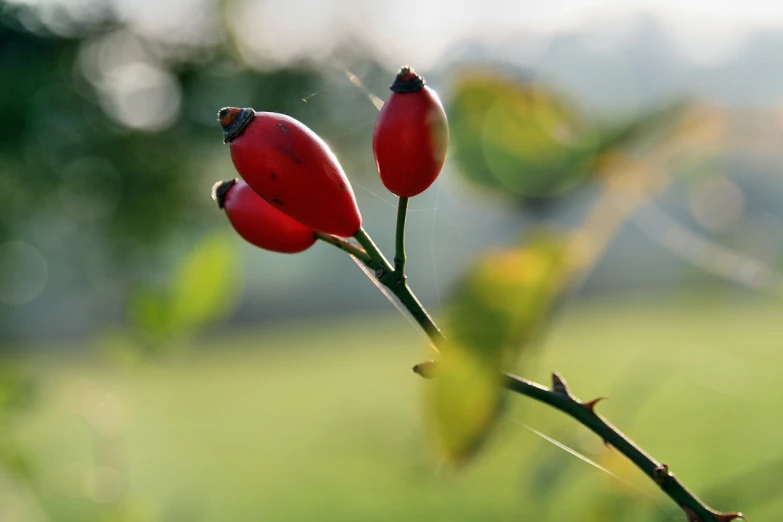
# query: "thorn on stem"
[[559, 385], [426, 369], [728, 517], [721, 517], [590, 405]]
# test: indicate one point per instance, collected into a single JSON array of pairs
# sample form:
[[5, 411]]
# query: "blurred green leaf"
[[202, 288], [500, 307], [16, 388], [14, 460], [527, 141], [518, 138], [149, 311], [654, 124], [462, 403], [16, 395], [204, 284], [502, 302]]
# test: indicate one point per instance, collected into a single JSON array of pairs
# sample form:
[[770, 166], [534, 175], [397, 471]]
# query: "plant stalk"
[[399, 250], [558, 397], [345, 246], [396, 281], [378, 261]]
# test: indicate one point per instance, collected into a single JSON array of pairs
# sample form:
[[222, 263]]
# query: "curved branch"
[[558, 396], [345, 246]]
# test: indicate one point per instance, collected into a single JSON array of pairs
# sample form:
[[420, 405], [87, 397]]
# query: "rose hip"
[[292, 168], [411, 136], [258, 222]]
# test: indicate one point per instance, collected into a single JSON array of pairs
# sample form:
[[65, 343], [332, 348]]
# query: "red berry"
[[292, 168], [260, 223], [411, 136]]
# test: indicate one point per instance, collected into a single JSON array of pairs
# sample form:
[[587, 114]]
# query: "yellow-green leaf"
[[204, 283], [517, 137], [498, 310]]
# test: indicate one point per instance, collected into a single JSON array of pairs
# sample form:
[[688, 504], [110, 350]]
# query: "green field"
[[322, 421]]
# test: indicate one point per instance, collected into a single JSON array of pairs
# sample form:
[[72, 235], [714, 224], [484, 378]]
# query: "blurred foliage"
[[112, 146], [529, 142], [17, 394], [64, 155], [204, 284], [498, 310], [16, 390], [202, 288], [85, 170], [518, 137], [246, 424]]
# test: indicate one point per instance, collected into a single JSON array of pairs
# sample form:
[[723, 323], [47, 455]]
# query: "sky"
[[421, 31]]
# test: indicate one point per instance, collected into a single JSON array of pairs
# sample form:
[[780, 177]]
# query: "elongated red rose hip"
[[258, 222], [292, 168], [411, 136]]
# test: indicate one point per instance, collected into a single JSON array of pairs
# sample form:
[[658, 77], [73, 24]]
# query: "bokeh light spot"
[[142, 96], [716, 203], [23, 272], [106, 485], [104, 414]]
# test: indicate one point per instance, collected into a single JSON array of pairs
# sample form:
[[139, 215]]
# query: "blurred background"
[[610, 209]]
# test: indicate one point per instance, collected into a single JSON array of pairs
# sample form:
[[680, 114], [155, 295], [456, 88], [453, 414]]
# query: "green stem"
[[419, 313], [397, 283], [377, 260], [345, 246], [399, 251], [559, 397]]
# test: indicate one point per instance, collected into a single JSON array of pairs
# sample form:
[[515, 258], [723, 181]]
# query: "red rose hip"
[[411, 136], [292, 168], [258, 222]]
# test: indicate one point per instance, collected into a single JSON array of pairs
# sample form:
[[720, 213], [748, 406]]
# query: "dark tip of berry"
[[224, 112], [234, 120], [220, 189], [407, 80]]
